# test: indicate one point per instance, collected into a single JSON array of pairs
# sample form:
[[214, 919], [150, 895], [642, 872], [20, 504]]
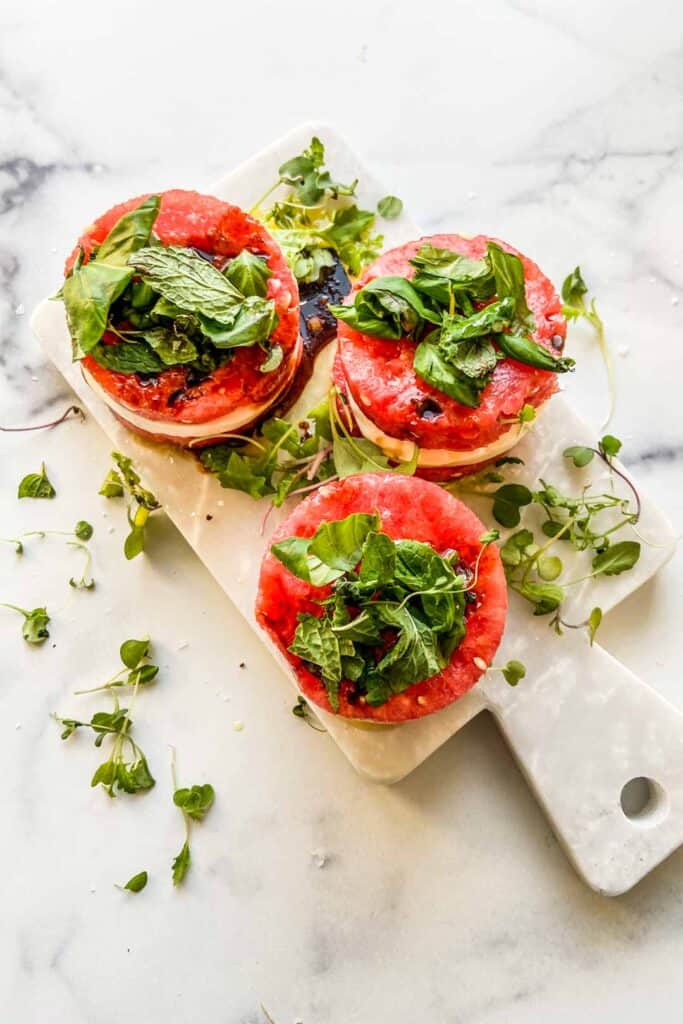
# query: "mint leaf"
[[188, 281]]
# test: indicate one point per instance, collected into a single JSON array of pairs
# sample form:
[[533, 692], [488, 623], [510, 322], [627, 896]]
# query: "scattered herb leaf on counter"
[[36, 485], [142, 503], [72, 410], [302, 709], [381, 589], [574, 291], [34, 627], [137, 883], [390, 207], [195, 802], [119, 773], [317, 219]]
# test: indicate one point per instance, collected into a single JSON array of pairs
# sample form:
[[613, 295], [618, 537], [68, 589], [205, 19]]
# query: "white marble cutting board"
[[581, 725]]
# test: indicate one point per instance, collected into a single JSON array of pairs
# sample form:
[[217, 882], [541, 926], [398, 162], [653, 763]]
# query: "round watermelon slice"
[[177, 404], [409, 508], [377, 378]]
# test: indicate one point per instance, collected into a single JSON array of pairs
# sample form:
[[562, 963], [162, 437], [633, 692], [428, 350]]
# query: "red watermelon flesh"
[[213, 226], [409, 508], [380, 377]]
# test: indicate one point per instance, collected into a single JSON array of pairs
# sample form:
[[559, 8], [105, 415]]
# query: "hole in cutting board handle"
[[644, 801]]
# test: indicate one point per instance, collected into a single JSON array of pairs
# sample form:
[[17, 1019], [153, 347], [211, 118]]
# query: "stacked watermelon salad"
[[384, 592]]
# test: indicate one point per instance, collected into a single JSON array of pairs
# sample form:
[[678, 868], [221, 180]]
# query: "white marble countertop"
[[445, 898]]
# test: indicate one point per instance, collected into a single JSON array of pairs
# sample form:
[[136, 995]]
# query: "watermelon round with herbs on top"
[[376, 375], [208, 386], [408, 510]]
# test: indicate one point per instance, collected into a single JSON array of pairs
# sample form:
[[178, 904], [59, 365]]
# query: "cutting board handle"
[[603, 754]]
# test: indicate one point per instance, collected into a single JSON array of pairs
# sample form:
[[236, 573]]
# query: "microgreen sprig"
[[574, 291], [303, 710], [73, 410], [81, 533], [532, 566], [34, 627], [119, 773], [194, 802], [142, 502]]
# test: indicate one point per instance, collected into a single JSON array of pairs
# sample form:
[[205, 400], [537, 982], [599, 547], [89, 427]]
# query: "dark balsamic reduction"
[[317, 326]]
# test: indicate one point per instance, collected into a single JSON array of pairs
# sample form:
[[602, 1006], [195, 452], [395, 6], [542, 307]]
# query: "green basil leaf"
[[127, 357], [442, 273], [387, 307], [617, 559], [188, 281], [249, 274], [493, 317], [508, 271], [130, 233], [430, 365], [390, 207], [253, 323], [339, 544], [88, 295], [526, 350], [36, 485]]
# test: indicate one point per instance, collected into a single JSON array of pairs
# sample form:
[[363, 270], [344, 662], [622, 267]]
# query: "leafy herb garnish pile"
[[166, 305], [318, 218], [587, 521], [285, 459], [396, 612], [446, 309], [126, 769]]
